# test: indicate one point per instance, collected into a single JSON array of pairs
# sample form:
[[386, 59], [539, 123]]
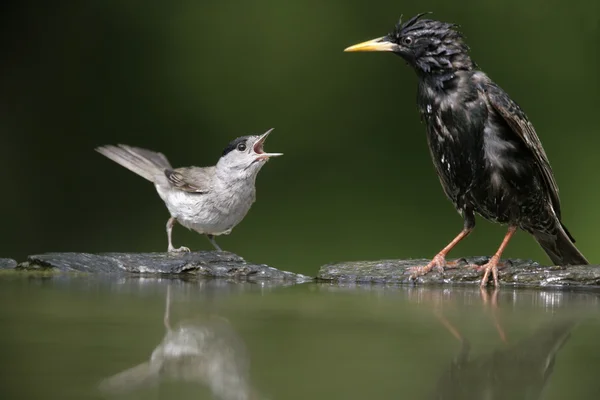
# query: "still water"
[[137, 338]]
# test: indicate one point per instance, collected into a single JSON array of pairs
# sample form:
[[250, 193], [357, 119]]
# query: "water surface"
[[138, 338]]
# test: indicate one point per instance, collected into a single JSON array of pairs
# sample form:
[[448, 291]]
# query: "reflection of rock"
[[7, 263], [211, 264], [516, 272], [208, 352], [517, 372]]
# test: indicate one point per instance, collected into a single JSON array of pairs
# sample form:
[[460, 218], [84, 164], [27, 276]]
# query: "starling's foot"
[[439, 261], [499, 264], [181, 249], [490, 266]]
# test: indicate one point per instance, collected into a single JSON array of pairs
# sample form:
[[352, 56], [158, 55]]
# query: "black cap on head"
[[234, 144]]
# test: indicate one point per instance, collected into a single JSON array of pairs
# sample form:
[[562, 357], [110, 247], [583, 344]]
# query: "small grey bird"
[[209, 200]]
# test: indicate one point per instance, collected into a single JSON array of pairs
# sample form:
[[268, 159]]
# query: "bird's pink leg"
[[439, 260], [492, 265]]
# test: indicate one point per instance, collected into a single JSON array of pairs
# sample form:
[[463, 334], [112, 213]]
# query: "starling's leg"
[[213, 241], [172, 249], [492, 265], [439, 260]]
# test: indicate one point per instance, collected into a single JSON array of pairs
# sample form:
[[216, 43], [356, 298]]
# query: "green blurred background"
[[186, 77]]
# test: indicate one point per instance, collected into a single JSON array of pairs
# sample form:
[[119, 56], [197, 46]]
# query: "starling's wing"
[[518, 122], [191, 179]]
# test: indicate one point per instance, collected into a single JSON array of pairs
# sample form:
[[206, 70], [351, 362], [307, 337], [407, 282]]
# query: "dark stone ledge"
[[210, 264], [515, 272]]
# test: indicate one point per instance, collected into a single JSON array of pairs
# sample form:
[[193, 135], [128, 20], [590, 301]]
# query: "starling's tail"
[[561, 248], [146, 163]]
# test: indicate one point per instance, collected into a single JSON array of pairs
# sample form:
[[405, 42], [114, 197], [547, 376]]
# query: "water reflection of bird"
[[520, 371], [486, 153], [207, 352]]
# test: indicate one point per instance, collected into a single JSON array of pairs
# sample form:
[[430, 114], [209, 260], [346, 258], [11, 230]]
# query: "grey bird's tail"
[[561, 248], [146, 163]]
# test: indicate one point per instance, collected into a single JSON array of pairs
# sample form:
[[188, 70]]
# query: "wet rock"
[[515, 272], [209, 264], [7, 263]]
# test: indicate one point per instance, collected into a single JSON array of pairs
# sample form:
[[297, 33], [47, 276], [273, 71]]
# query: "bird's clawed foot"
[[439, 262], [181, 249], [490, 266]]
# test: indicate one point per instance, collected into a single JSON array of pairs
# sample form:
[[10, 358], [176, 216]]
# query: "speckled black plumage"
[[486, 152]]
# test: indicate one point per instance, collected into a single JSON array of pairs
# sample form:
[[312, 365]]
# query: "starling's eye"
[[407, 40], [241, 147]]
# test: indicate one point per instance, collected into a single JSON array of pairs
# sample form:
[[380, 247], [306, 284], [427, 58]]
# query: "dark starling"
[[485, 151]]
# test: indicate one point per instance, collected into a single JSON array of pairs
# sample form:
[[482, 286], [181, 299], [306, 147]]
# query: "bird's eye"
[[407, 40], [241, 147]]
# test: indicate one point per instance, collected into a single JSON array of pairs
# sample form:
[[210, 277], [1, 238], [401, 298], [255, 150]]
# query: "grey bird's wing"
[[520, 125], [191, 179]]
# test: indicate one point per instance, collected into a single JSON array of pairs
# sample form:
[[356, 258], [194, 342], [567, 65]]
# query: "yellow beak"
[[379, 44]]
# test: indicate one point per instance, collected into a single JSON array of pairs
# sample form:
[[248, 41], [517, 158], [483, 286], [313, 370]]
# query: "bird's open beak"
[[259, 147], [379, 44]]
